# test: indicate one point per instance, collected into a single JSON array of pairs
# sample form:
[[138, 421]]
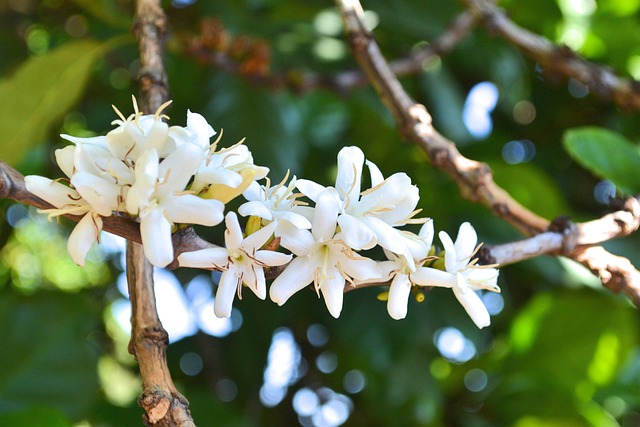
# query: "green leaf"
[[50, 361], [565, 346], [106, 11], [606, 154], [531, 186], [34, 417], [40, 92]]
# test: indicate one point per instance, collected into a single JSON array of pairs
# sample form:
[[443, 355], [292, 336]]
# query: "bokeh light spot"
[[305, 402], [480, 102], [524, 112], [226, 389], [327, 362], [318, 335], [604, 191], [191, 363], [453, 345], [475, 380], [520, 151], [354, 381]]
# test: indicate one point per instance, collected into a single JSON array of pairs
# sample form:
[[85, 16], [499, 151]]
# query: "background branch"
[[474, 179], [207, 49], [556, 59]]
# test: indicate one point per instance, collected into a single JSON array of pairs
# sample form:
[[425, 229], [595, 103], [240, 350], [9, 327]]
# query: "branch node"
[[156, 404]]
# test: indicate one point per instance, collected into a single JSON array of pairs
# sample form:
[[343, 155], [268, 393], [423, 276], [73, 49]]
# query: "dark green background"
[[563, 352]]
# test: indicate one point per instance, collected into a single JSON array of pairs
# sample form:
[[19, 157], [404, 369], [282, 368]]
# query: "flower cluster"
[[162, 176]]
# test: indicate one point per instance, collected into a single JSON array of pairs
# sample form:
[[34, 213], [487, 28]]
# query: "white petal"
[[425, 276], [426, 232], [326, 214], [260, 284], [387, 236], [295, 277], [294, 218], [376, 175], [198, 124], [402, 209], [260, 172], [177, 169], [399, 291], [101, 194], [156, 238], [361, 268], [298, 241], [52, 192], [94, 140], [332, 288], [259, 238], [450, 261], [472, 303], [465, 242], [272, 258], [190, 209], [255, 208], [157, 136], [350, 161], [215, 174], [483, 278], [204, 258], [64, 158], [233, 234], [310, 189], [126, 141], [84, 234], [227, 289], [355, 233], [387, 270], [254, 192], [147, 167]]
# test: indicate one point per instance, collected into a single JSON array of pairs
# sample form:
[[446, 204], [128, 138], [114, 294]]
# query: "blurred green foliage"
[[560, 352]]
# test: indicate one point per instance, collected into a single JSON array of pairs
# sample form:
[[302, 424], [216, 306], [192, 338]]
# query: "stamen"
[[158, 116], [237, 144], [279, 186], [119, 114], [267, 188], [215, 143], [239, 286], [344, 275], [372, 189]]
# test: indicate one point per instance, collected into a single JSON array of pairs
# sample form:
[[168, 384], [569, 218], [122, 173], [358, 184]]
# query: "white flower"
[[67, 201], [462, 274], [322, 258], [92, 155], [158, 198], [277, 204], [138, 133], [399, 270], [369, 218], [226, 173], [241, 261]]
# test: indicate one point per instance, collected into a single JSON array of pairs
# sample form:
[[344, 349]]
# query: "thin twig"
[[344, 82], [163, 403], [474, 179], [556, 59]]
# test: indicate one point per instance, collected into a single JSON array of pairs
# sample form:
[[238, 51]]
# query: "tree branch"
[[558, 59], [474, 179], [163, 403], [208, 52]]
